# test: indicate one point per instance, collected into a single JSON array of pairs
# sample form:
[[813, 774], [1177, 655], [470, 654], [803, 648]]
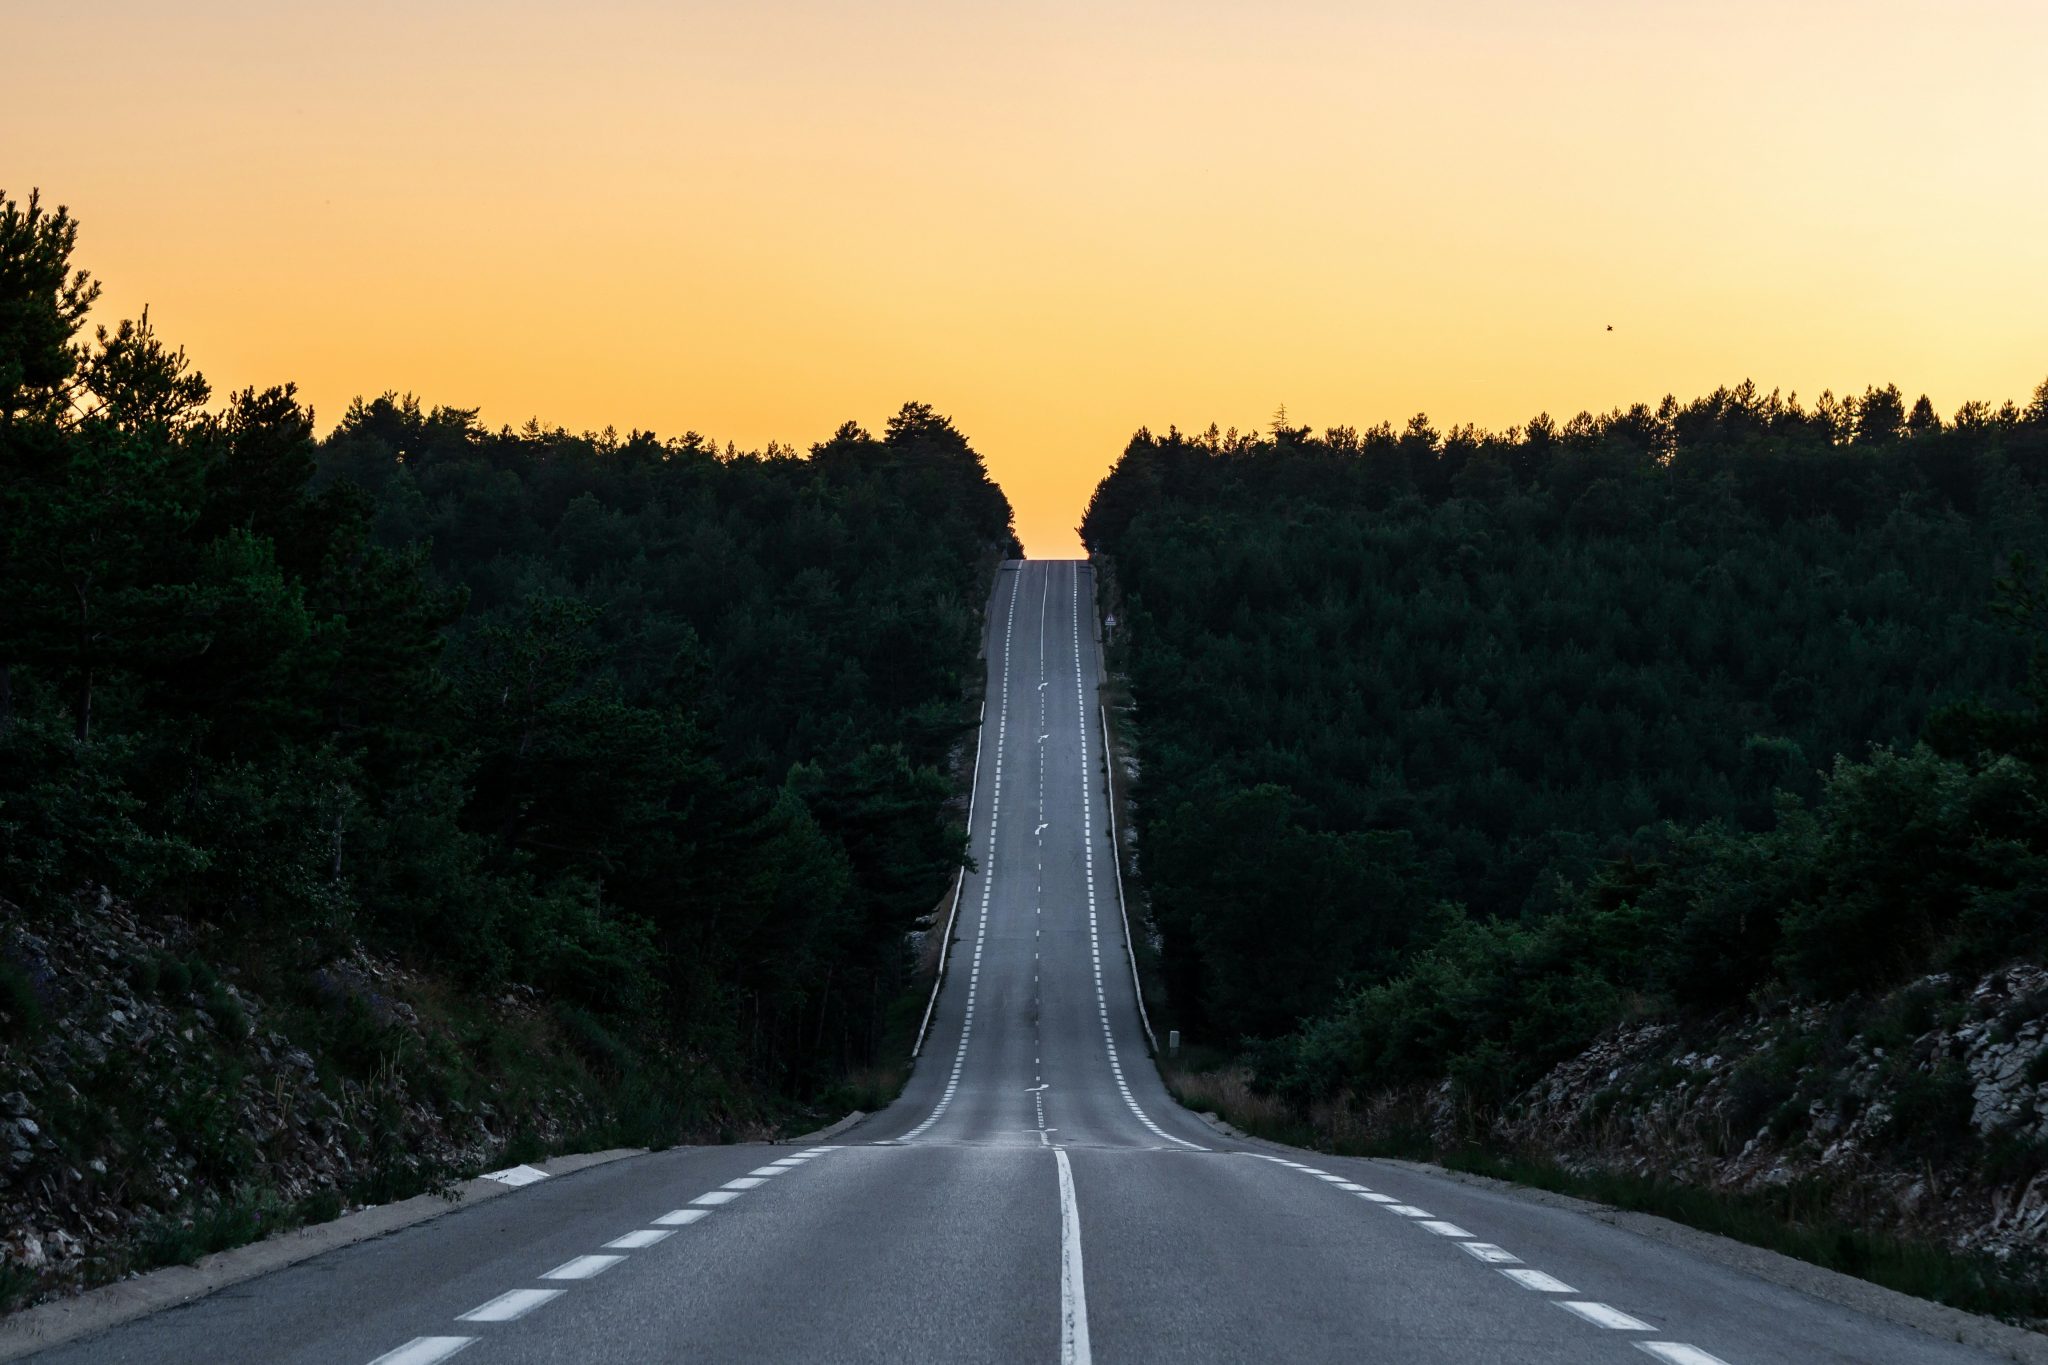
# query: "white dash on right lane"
[[713, 1197], [509, 1306], [1603, 1315], [423, 1351]]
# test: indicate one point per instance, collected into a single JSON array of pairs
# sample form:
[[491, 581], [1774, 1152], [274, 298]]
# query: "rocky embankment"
[[154, 1105], [1924, 1112]]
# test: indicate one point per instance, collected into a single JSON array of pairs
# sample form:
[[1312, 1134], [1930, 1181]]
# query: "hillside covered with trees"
[[1460, 748], [489, 770]]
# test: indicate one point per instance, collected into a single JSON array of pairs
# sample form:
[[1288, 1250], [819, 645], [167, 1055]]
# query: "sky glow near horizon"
[[1055, 222]]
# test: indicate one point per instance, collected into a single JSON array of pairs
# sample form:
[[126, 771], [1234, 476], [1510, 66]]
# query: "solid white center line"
[[639, 1240], [423, 1351], [1073, 1285], [676, 1218], [1602, 1315], [1537, 1280], [582, 1268], [513, 1303]]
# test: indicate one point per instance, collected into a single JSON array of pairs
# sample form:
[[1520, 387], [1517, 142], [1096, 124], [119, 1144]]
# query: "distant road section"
[[1035, 1195]]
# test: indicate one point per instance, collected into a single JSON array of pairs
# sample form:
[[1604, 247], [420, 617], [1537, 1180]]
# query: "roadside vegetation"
[[624, 762], [1463, 750]]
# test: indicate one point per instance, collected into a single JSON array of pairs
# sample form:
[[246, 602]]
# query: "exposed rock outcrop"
[[1924, 1111]]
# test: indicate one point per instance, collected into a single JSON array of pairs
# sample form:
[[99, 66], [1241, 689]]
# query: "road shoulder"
[[1829, 1286], [97, 1310]]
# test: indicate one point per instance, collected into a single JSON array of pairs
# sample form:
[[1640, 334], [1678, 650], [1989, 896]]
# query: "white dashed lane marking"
[[582, 1267], [513, 1303], [1678, 1353], [517, 1303], [676, 1218], [423, 1351], [1489, 1253], [995, 810], [1537, 1280], [1602, 1315], [639, 1239]]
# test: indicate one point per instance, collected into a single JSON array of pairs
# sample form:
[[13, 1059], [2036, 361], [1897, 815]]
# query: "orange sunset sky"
[[1054, 221]]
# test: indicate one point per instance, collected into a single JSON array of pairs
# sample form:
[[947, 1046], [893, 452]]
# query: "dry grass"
[[1383, 1126]]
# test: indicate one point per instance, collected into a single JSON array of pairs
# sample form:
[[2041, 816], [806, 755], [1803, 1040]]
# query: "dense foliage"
[[656, 729], [1460, 747]]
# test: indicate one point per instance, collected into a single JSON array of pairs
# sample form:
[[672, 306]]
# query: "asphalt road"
[[1033, 1196]]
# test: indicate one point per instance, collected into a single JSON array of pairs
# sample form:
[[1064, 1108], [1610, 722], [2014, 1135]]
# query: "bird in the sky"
[[1610, 326]]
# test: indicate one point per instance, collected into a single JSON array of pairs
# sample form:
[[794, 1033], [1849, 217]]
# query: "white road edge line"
[[1073, 1285], [987, 871], [1088, 856], [424, 1351]]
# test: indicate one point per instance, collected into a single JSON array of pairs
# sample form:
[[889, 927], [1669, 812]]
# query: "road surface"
[[1034, 1195]]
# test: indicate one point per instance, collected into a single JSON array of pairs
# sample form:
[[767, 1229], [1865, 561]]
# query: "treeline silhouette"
[[1458, 747], [657, 730]]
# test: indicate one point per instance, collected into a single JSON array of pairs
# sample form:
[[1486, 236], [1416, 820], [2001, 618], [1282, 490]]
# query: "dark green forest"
[[657, 731], [1459, 747]]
